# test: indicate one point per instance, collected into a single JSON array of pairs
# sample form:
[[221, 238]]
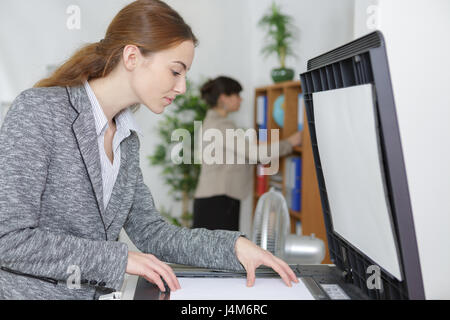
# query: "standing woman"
[[222, 186], [70, 176]]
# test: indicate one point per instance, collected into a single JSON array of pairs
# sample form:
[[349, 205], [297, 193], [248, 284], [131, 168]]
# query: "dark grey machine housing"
[[359, 62]]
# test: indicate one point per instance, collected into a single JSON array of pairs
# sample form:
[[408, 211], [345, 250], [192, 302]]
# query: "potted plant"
[[182, 178], [280, 33]]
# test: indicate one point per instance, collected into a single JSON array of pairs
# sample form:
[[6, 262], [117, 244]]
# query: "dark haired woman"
[[70, 176], [222, 186]]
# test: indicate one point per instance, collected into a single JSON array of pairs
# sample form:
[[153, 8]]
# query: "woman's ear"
[[131, 56], [221, 101]]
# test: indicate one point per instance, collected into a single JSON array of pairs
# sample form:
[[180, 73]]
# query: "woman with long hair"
[[70, 177]]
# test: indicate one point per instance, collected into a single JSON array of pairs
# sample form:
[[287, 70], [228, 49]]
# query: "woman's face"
[[161, 76], [230, 103]]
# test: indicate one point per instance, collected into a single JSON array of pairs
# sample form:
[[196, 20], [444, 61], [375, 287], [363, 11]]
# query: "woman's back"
[[233, 180]]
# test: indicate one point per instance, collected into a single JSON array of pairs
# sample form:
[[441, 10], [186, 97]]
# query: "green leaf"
[[280, 31]]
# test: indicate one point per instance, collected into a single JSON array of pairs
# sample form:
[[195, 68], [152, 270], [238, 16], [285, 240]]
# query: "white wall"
[[366, 18], [417, 41], [418, 44], [322, 25], [34, 36]]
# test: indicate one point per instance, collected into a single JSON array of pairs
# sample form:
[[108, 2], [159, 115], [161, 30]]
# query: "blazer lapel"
[[115, 201], [85, 133]]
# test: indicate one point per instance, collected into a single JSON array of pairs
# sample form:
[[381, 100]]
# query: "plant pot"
[[282, 74]]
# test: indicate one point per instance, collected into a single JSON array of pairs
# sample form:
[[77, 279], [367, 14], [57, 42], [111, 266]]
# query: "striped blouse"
[[124, 124]]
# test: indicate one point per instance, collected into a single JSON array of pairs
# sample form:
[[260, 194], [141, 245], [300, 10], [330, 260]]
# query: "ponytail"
[[151, 25], [85, 64]]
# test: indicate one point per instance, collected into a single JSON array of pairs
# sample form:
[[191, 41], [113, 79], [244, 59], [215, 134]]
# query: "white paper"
[[236, 289], [348, 148]]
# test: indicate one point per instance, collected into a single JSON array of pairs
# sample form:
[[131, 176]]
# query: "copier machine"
[[360, 166]]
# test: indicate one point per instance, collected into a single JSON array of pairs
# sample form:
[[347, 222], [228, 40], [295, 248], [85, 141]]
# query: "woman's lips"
[[168, 100]]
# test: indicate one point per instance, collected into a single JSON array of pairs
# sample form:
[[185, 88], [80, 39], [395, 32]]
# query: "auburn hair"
[[151, 25]]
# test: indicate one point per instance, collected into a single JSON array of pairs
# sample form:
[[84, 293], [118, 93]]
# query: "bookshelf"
[[310, 214]]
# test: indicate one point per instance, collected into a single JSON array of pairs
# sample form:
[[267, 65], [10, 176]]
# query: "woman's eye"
[[175, 73]]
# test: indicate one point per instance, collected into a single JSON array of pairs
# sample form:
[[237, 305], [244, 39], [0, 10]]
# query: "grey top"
[[51, 212]]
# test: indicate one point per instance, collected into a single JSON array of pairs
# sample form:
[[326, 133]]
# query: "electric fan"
[[271, 231]]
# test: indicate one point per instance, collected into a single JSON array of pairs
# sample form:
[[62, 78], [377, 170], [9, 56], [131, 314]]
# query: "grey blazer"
[[52, 220]]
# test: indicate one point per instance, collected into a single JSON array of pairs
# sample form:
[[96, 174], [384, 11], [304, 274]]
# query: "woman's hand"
[[295, 139], [251, 257], [152, 269]]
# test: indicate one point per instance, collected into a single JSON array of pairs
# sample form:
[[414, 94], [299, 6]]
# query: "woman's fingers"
[[251, 256], [250, 275], [165, 272], [272, 262], [151, 268], [155, 278], [172, 275], [288, 269]]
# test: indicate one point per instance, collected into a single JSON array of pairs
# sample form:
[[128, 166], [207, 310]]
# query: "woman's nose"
[[180, 86]]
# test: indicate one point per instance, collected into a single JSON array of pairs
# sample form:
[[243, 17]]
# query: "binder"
[[261, 181], [296, 199], [293, 173], [261, 117], [300, 112]]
